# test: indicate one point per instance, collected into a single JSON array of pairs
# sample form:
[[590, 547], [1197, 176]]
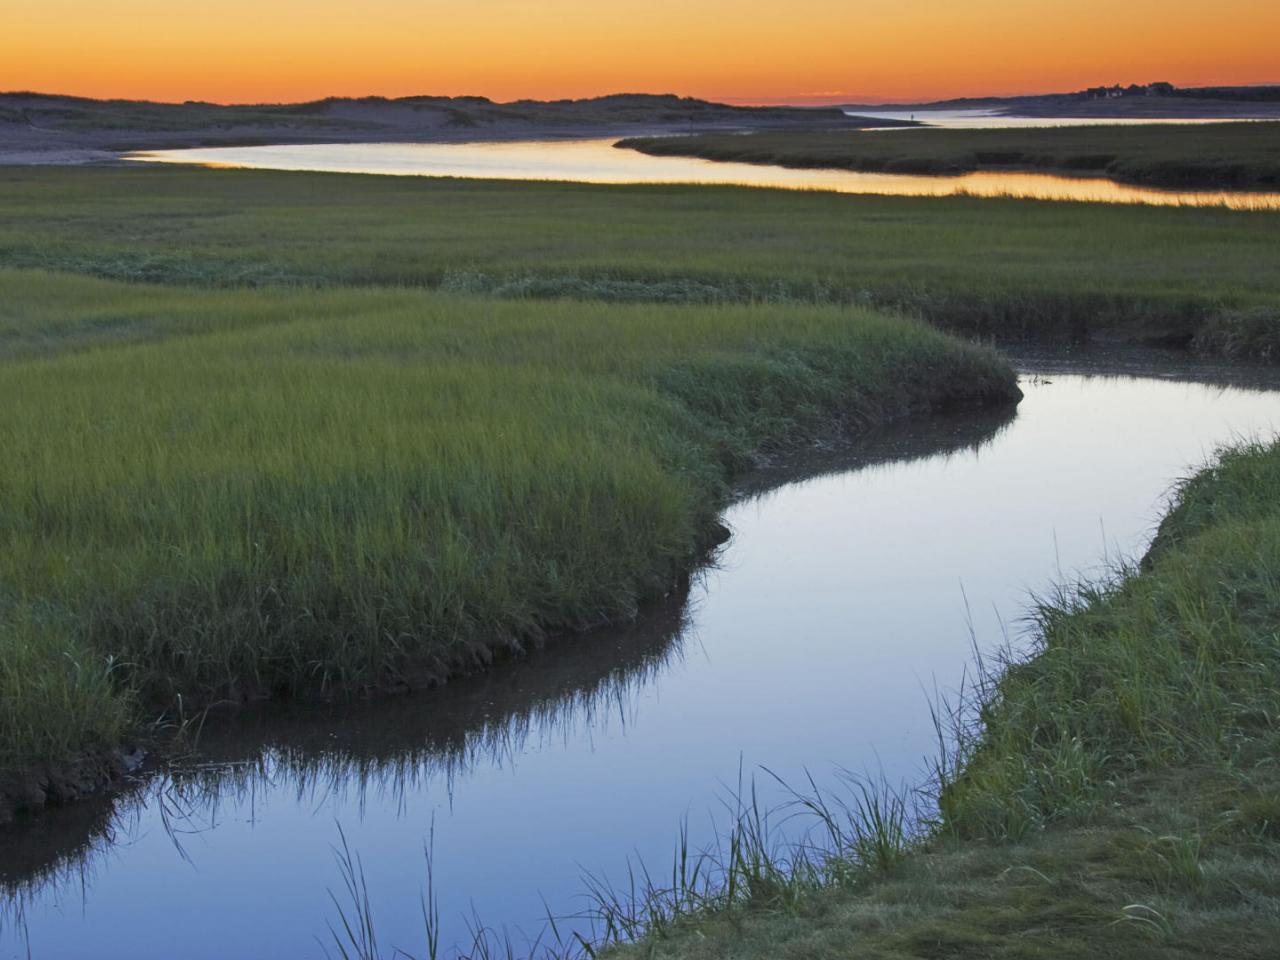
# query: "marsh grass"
[[996, 268], [325, 493], [1214, 156]]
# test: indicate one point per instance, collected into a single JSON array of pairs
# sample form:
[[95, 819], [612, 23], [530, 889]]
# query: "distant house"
[[1160, 89]]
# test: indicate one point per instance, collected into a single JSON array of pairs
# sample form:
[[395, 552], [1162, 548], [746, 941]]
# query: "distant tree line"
[[1268, 93], [1164, 89], [1160, 89]]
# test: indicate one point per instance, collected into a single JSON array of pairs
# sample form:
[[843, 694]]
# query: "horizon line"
[[800, 100]]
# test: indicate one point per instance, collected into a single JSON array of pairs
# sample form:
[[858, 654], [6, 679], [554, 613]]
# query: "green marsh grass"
[[997, 268], [1202, 156], [230, 494]]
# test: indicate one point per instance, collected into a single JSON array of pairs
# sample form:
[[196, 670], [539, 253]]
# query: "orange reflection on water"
[[598, 161]]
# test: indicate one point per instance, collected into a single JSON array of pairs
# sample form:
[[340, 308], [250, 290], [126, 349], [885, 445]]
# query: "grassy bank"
[[1114, 793], [235, 493], [1201, 157], [996, 268]]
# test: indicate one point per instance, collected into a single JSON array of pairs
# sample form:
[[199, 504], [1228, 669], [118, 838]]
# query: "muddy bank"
[[60, 783]]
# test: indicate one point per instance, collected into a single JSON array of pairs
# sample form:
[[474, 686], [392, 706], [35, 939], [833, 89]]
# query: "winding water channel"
[[855, 585], [598, 161]]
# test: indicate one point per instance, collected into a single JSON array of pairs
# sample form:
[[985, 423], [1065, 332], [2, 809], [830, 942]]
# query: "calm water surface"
[[842, 600], [995, 119], [598, 161]]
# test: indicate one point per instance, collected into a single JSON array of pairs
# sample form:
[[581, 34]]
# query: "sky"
[[736, 50]]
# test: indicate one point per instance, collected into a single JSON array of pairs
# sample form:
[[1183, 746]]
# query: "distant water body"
[[995, 120], [597, 161]]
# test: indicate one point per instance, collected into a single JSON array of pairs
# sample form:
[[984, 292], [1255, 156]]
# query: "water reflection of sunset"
[[245, 50], [596, 161]]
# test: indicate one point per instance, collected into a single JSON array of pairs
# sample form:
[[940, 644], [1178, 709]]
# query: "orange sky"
[[275, 50]]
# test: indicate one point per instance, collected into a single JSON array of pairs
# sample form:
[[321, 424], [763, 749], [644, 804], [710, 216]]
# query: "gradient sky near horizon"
[[801, 51]]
